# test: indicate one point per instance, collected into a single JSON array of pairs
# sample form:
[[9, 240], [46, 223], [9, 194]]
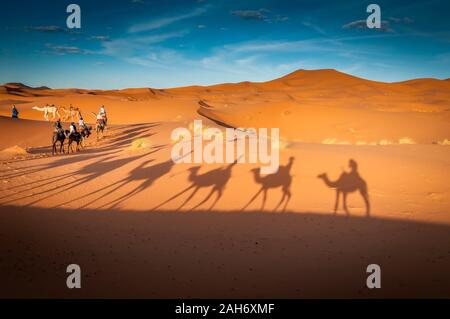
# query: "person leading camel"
[[348, 183], [15, 112]]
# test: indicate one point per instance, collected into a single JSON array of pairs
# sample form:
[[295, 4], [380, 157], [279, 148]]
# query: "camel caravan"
[[74, 135], [73, 113]]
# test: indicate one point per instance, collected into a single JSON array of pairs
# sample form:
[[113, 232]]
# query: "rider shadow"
[[282, 178], [90, 172], [217, 179], [129, 135], [60, 162], [147, 175], [348, 183]]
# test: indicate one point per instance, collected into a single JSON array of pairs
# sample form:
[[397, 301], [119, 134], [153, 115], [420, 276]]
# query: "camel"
[[100, 126], [58, 137], [85, 133], [217, 178], [47, 109], [282, 179], [71, 113], [348, 183], [75, 137]]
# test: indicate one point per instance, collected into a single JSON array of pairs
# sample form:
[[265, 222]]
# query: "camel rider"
[[100, 119], [72, 129], [82, 124], [102, 112], [15, 112], [58, 126]]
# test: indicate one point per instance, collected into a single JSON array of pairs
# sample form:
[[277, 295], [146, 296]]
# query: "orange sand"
[[73, 203]]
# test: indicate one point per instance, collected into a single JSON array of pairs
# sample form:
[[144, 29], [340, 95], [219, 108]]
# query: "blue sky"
[[148, 43]]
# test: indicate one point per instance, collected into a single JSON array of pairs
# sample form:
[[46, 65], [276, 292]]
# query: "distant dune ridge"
[[308, 105]]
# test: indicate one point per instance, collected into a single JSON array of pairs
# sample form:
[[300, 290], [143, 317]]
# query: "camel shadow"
[[147, 175], [282, 178], [217, 179], [348, 182], [89, 172], [115, 145]]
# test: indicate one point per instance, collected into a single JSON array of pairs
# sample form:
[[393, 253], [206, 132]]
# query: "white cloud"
[[159, 23], [134, 46], [65, 49], [362, 25], [314, 27]]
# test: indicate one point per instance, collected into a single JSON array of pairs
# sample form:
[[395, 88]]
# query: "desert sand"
[[109, 207]]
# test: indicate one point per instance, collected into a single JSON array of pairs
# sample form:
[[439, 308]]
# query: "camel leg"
[[219, 195], [189, 198], [253, 198], [287, 200], [336, 204], [365, 196], [61, 148], [280, 202], [204, 200], [345, 203], [174, 196], [264, 199]]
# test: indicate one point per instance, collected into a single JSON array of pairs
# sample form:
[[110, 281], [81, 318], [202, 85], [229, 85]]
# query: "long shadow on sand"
[[215, 179], [89, 172], [113, 144], [348, 182], [96, 169], [143, 173], [225, 254], [281, 179]]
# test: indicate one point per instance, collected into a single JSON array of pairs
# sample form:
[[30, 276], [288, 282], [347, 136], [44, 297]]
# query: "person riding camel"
[[82, 124], [58, 126], [102, 112], [72, 129], [100, 119]]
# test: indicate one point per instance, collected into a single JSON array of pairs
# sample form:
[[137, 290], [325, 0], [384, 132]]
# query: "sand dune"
[[310, 106], [132, 161], [178, 223], [24, 133]]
